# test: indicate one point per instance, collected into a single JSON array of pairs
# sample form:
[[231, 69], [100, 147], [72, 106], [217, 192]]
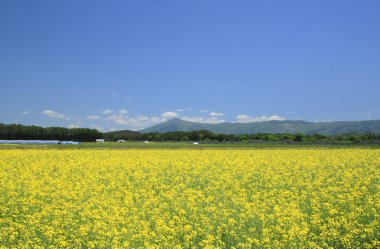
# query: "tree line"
[[25, 132], [20, 132], [210, 137]]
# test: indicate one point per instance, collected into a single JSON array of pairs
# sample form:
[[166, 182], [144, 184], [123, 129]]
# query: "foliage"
[[208, 136], [16, 131]]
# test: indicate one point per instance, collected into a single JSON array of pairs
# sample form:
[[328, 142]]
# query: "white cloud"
[[216, 114], [179, 110], [208, 120], [169, 115], [323, 121], [79, 121], [136, 123], [93, 117], [107, 111], [203, 111], [242, 118], [124, 111], [118, 119], [73, 126], [26, 112], [97, 127], [53, 114]]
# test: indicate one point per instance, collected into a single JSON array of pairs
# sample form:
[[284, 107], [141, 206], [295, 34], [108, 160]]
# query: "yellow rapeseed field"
[[280, 198]]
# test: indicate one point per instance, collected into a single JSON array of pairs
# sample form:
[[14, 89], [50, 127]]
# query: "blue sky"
[[131, 64]]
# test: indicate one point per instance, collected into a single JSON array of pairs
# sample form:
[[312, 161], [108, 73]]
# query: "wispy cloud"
[[243, 118], [97, 127], [118, 119], [203, 111], [323, 121], [107, 111], [53, 114], [216, 114], [26, 112], [124, 111], [169, 115], [136, 123], [208, 120], [121, 118], [93, 117], [73, 126]]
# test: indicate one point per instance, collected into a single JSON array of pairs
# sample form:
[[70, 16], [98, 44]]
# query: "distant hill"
[[287, 126], [123, 133]]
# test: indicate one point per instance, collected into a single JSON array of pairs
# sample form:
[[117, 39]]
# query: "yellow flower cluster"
[[279, 198]]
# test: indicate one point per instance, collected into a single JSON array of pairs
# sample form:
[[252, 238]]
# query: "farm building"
[[100, 140]]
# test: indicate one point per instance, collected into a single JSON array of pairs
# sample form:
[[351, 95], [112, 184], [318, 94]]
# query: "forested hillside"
[[17, 131]]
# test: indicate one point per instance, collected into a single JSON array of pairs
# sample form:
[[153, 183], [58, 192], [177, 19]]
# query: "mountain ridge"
[[274, 126]]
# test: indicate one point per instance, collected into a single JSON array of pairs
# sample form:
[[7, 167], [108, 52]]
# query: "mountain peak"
[[174, 120]]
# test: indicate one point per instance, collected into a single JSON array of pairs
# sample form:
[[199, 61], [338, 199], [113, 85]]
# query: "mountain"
[[123, 134], [127, 133], [287, 126]]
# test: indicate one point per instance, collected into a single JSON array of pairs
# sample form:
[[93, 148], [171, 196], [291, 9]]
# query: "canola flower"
[[289, 198]]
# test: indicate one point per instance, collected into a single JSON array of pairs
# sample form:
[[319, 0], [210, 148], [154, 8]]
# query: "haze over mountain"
[[287, 126]]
